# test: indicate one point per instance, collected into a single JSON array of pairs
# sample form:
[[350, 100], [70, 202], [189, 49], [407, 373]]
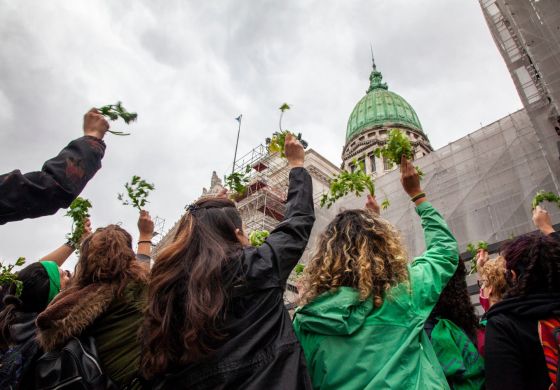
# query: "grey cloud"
[[188, 68]]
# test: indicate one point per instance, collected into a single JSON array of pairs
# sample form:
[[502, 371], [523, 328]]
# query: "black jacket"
[[261, 350], [60, 181], [514, 355], [16, 362]]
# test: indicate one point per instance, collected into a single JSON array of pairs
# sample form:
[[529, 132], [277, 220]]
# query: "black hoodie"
[[514, 355]]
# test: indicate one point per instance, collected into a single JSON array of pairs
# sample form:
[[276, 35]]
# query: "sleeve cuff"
[[423, 207]]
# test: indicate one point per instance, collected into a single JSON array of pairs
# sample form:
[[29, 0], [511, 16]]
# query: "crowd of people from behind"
[[210, 313]]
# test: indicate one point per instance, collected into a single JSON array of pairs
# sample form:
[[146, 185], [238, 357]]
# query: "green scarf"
[[54, 278]]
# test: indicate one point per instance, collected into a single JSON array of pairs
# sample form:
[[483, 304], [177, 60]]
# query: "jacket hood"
[[537, 306], [71, 312], [334, 314]]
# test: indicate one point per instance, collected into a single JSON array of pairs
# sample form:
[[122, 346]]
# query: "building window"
[[352, 167], [372, 162], [386, 164], [362, 162]]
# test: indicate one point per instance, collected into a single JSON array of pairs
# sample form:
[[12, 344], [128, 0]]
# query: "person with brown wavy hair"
[[105, 299], [216, 317], [362, 325], [515, 347]]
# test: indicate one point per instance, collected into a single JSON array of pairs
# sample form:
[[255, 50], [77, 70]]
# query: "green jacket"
[[349, 344], [458, 356]]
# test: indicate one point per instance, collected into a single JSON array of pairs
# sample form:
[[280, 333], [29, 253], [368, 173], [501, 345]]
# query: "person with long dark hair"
[[452, 329], [41, 282], [515, 352], [216, 317]]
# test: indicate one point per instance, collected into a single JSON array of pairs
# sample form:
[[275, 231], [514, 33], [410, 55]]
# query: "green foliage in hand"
[[278, 140], [298, 269], [257, 237], [348, 182], [237, 181], [116, 111], [8, 277], [385, 204], [137, 191], [542, 196], [79, 212], [473, 250], [397, 145]]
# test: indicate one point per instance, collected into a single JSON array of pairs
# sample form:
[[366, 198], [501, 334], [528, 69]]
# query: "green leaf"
[[284, 107], [298, 269], [137, 190], [116, 111], [9, 278], [385, 204], [543, 196], [79, 212], [276, 143], [257, 237], [396, 146], [348, 182]]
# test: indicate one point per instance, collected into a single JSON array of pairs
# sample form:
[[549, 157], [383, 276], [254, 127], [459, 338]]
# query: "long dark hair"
[[535, 258], [33, 299], [454, 303], [189, 287]]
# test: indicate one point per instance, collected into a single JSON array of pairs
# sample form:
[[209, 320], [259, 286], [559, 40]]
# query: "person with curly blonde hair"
[[493, 285], [362, 323]]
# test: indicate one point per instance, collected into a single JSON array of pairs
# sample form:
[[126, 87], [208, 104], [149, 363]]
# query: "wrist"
[[95, 134], [296, 164], [547, 230], [145, 237]]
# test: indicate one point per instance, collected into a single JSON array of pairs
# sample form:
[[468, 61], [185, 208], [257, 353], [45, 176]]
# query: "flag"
[[239, 118]]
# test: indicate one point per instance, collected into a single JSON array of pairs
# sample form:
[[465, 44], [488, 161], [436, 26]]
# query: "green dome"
[[381, 107]]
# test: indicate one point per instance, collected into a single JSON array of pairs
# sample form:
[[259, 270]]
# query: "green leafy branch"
[[276, 143], [8, 277], [298, 269], [348, 182], [473, 250], [397, 145], [237, 182], [542, 196], [137, 191], [116, 111], [257, 237], [284, 107], [79, 212]]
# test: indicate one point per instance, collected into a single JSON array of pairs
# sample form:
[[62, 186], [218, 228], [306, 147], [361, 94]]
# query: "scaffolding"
[[262, 206], [526, 33]]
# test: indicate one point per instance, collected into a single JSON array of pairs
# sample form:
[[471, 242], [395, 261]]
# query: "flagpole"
[[236, 143]]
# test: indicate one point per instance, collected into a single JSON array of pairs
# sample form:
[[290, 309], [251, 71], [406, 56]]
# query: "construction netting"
[[482, 184]]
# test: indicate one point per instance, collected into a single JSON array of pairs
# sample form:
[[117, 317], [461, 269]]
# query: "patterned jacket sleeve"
[[59, 182]]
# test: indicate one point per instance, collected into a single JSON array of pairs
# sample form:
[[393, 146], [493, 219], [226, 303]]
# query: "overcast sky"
[[190, 67]]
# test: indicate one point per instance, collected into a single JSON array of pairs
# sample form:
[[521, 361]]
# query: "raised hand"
[[294, 151], [95, 125], [371, 204], [409, 178]]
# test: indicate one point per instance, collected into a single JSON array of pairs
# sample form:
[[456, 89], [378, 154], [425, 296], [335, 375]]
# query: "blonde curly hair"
[[358, 249], [494, 271]]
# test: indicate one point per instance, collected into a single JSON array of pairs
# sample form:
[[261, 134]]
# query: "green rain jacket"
[[350, 344]]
